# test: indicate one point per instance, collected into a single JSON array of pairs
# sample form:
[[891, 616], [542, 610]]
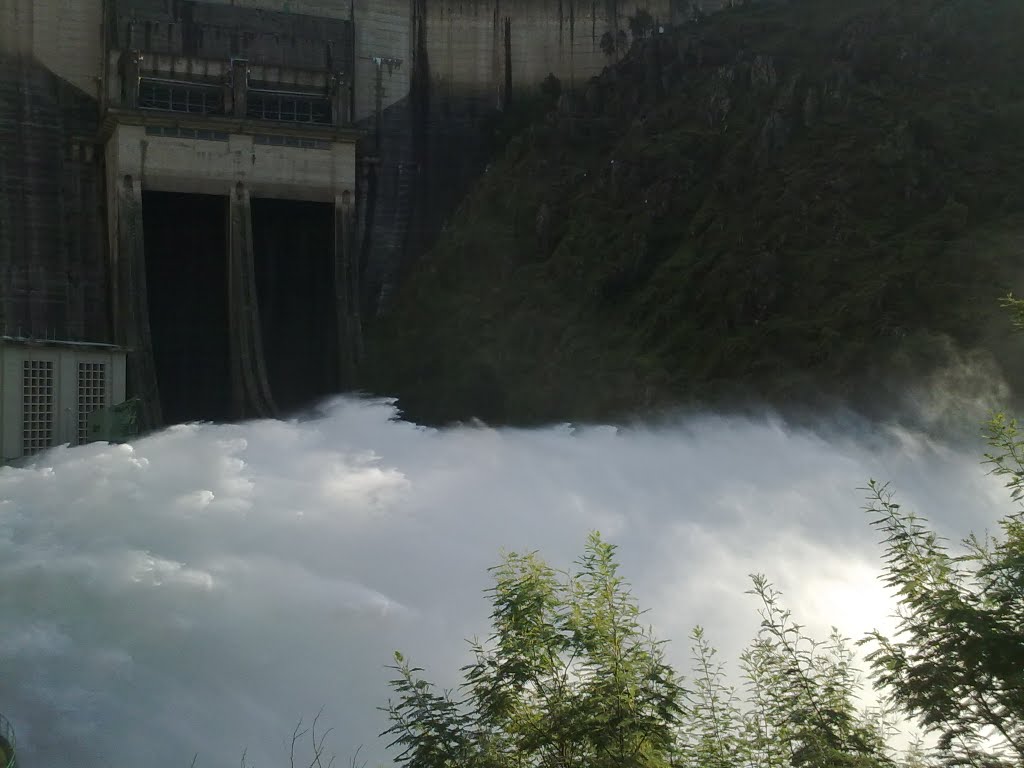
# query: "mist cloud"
[[202, 589]]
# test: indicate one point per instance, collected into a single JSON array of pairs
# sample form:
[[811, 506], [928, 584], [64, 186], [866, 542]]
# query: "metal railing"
[[288, 106], [8, 759], [164, 95]]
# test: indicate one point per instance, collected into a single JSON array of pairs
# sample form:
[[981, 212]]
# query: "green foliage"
[[799, 706], [570, 677], [805, 713], [958, 663]]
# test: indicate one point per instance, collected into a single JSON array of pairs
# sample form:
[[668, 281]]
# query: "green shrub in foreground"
[[571, 677]]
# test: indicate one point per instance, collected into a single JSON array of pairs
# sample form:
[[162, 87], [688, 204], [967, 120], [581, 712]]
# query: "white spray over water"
[[203, 589]]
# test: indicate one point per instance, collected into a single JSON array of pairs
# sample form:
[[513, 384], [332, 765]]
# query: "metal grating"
[[37, 406], [92, 394]]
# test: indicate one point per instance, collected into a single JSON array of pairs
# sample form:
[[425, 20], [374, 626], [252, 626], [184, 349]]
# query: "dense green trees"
[[958, 665], [570, 675]]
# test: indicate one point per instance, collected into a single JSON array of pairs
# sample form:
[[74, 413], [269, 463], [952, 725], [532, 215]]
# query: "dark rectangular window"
[[288, 107], [290, 141], [174, 132], [172, 96]]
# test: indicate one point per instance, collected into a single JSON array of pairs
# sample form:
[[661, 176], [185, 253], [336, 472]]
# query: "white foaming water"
[[203, 589]]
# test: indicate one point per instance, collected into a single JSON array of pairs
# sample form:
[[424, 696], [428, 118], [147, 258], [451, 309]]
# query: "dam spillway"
[[332, 138], [137, 137], [190, 316], [210, 113]]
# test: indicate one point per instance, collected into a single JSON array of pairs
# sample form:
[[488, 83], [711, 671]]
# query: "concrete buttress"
[[131, 306], [346, 289], [250, 386]]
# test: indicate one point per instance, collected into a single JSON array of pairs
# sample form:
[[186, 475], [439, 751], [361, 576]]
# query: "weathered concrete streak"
[[465, 46], [560, 37], [332, 9]]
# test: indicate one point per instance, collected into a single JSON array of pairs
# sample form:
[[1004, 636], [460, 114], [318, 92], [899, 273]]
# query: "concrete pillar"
[[131, 74], [239, 88], [391, 64], [131, 305], [365, 213], [250, 386], [341, 99], [346, 290]]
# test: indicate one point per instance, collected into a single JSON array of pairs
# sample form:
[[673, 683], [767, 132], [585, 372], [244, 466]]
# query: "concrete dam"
[[223, 191]]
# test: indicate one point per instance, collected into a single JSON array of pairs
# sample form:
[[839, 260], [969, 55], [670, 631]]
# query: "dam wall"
[[52, 254], [67, 39], [383, 31], [366, 119], [471, 43], [460, 60], [52, 259], [64, 36], [426, 74]]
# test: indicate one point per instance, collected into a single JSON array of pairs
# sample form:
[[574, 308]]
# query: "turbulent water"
[[201, 590]]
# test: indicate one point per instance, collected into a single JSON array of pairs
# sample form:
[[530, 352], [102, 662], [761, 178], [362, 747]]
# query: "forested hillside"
[[776, 200]]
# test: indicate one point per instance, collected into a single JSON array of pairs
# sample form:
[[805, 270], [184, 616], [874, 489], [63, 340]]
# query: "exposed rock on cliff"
[[779, 198]]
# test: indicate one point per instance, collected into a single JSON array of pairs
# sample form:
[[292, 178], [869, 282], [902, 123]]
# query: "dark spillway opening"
[[294, 255], [186, 279]]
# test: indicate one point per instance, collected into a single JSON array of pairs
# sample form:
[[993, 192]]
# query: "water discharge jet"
[[202, 589]]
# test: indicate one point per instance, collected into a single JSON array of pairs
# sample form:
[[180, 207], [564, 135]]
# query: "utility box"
[[48, 389]]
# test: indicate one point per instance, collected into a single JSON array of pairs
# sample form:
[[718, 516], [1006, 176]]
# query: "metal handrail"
[[7, 743], [186, 83]]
